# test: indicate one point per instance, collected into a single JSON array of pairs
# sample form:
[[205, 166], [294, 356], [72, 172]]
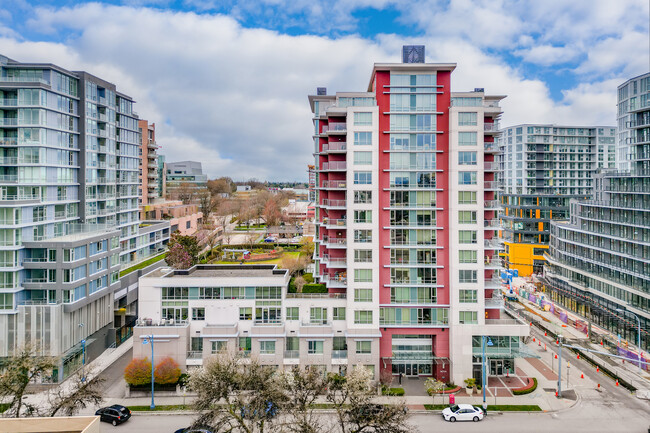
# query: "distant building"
[[184, 218], [148, 162], [544, 167], [184, 173]]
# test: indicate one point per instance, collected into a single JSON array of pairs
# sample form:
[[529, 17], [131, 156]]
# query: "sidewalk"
[[621, 369]]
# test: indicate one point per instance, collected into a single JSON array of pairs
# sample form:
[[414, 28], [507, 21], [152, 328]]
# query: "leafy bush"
[[309, 277], [167, 372], [138, 372], [398, 392], [526, 390], [314, 288]]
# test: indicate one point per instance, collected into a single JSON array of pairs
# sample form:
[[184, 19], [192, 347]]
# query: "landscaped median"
[[495, 408], [530, 387]]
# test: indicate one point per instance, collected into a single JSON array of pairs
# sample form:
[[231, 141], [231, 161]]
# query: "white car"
[[462, 412]]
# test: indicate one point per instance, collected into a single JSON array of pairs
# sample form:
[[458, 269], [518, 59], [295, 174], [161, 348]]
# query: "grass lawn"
[[295, 254], [142, 265], [494, 408], [4, 407], [162, 407]]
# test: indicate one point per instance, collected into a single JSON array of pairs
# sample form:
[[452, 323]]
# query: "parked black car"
[[116, 414]]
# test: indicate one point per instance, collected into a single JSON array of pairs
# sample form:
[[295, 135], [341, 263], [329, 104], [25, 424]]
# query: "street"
[[583, 418]]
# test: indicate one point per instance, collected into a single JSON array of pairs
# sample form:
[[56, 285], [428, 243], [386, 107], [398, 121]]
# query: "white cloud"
[[235, 98]]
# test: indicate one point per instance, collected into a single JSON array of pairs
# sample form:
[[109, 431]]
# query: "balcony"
[[491, 127], [11, 160], [8, 141], [291, 354], [334, 184], [316, 296], [334, 223], [492, 224], [9, 122], [493, 283], [335, 281], [340, 146], [494, 302], [8, 102], [339, 354], [492, 204], [334, 166], [491, 185], [9, 178], [330, 242], [333, 203], [491, 148], [493, 262], [334, 262], [195, 354], [317, 322], [491, 166], [339, 127]]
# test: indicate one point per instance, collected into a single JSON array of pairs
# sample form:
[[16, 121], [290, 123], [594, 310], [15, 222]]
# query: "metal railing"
[[316, 295], [334, 165], [195, 354], [334, 184], [491, 127], [334, 222], [492, 204], [491, 166], [330, 147], [333, 203]]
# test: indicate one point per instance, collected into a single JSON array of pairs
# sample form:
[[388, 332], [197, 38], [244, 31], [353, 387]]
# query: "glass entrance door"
[[496, 367]]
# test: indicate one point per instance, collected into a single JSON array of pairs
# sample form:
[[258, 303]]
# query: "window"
[[466, 178], [338, 313], [267, 347], [219, 346], [363, 275], [467, 138], [314, 347], [466, 237], [467, 256], [466, 158], [245, 346], [467, 317], [196, 344], [362, 295], [467, 296], [363, 256], [6, 301], [362, 119], [466, 217], [362, 138], [318, 315], [198, 313], [467, 119], [362, 216], [363, 236], [362, 158], [466, 197], [362, 177], [364, 347], [246, 313], [293, 313], [363, 197], [466, 276], [363, 317]]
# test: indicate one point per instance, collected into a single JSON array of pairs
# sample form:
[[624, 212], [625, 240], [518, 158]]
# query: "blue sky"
[[226, 81]]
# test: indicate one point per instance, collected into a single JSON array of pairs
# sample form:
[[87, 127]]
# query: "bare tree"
[[303, 388], [77, 393], [19, 370], [207, 203], [238, 397], [294, 264], [271, 213], [185, 192], [299, 282]]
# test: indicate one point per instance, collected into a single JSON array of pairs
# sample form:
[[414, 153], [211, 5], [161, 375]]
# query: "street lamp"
[[638, 333], [149, 339], [83, 351], [488, 342]]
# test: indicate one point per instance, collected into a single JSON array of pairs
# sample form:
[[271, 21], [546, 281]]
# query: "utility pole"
[[483, 375]]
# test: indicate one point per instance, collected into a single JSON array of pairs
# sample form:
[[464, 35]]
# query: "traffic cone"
[[597, 369], [582, 375], [539, 343], [533, 339], [599, 386], [557, 342], [578, 356], [617, 382], [556, 356], [545, 334], [601, 343]]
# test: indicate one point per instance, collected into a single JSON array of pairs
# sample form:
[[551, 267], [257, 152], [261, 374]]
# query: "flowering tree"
[[178, 258], [138, 372], [167, 371]]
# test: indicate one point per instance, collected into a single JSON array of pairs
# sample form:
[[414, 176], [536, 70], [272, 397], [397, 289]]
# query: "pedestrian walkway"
[[619, 368]]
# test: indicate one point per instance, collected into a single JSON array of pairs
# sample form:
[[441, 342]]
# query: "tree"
[[185, 192], [207, 203], [79, 392], [167, 371], [272, 214], [433, 387], [178, 258], [293, 263], [303, 387], [19, 370], [307, 247], [222, 185], [238, 397], [299, 282], [138, 372], [189, 243]]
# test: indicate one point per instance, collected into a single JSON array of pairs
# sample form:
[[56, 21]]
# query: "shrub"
[[167, 372], [309, 277], [314, 288], [397, 392], [527, 389], [138, 372]]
